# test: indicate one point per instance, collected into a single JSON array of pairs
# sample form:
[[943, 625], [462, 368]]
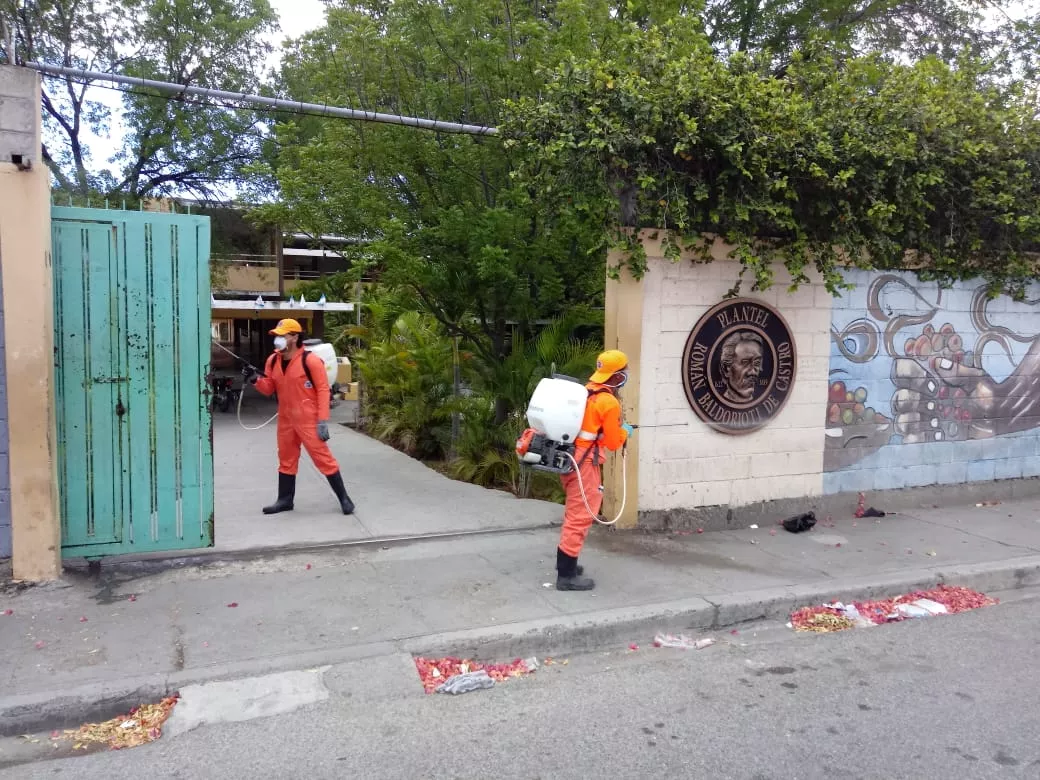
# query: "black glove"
[[250, 374]]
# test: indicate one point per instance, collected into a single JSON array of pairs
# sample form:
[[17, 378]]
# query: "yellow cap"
[[286, 326], [608, 364]]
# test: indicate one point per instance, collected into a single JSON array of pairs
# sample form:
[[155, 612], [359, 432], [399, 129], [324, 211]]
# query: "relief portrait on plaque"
[[739, 365]]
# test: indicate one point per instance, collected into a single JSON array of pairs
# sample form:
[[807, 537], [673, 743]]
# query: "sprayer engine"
[[554, 415]]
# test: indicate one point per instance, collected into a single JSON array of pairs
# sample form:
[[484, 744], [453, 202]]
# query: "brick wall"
[[694, 466], [950, 380]]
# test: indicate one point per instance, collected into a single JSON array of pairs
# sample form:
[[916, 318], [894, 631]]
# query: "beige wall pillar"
[[623, 329], [25, 260]]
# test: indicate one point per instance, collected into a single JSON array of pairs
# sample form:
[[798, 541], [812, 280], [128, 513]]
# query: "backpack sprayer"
[[554, 414]]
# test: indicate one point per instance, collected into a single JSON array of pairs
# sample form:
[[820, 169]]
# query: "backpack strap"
[[306, 368]]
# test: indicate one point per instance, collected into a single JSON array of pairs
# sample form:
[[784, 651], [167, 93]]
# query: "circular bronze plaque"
[[739, 365]]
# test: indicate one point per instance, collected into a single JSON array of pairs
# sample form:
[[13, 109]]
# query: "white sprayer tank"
[[557, 408], [327, 353]]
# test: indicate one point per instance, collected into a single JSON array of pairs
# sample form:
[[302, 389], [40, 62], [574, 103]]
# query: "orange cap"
[[286, 326], [608, 364]]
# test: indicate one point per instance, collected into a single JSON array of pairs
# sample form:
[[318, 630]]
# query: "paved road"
[[951, 697]]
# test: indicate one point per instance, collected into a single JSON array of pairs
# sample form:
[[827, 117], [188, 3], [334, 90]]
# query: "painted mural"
[[924, 383]]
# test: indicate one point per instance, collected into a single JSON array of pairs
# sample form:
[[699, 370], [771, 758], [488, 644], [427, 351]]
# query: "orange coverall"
[[602, 418], [300, 407]]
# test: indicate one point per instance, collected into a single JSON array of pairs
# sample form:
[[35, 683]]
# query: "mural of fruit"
[[853, 428]]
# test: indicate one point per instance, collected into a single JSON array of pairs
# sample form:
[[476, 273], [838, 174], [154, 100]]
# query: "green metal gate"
[[132, 335]]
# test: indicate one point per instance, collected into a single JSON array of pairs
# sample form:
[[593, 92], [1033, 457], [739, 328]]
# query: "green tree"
[[857, 160], [445, 217], [172, 146]]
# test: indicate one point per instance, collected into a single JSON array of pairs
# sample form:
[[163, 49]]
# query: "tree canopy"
[[170, 146], [838, 159]]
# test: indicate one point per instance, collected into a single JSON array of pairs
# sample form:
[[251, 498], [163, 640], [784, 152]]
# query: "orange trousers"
[[291, 436], [576, 517]]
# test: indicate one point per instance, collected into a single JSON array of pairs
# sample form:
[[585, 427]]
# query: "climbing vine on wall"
[[827, 163]]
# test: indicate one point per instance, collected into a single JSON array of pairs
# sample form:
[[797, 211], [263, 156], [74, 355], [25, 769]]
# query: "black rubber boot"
[[286, 494], [567, 575], [561, 557], [336, 481]]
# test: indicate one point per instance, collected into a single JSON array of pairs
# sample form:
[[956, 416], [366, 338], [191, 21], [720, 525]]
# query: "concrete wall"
[[684, 463], [898, 385], [944, 385], [25, 263], [5, 474]]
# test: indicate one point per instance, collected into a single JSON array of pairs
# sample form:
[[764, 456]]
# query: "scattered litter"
[[700, 530], [466, 682], [753, 541], [633, 647], [734, 632], [546, 585], [233, 604], [912, 611], [354, 628], [138, 727], [799, 523], [932, 606], [753, 527], [531, 663], [772, 532], [838, 544], [943, 600], [434, 671], [132, 597], [308, 567], [681, 641], [7, 612], [988, 503], [40, 645], [930, 553], [82, 620]]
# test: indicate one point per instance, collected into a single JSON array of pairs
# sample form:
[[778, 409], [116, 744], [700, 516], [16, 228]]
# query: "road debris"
[[682, 642], [7, 612], [138, 727], [466, 682], [434, 671], [943, 600]]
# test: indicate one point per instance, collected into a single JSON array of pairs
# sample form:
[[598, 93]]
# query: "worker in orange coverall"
[[601, 429], [303, 413]]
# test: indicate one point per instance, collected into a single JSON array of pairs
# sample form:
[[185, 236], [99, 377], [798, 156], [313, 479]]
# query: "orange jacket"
[[602, 419], [297, 403]]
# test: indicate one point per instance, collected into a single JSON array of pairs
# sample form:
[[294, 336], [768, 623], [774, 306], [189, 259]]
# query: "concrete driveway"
[[395, 495]]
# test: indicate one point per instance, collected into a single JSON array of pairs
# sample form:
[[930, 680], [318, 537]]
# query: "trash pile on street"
[[836, 616], [138, 727], [458, 675]]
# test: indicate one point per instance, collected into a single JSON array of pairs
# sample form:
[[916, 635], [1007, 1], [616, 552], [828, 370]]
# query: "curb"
[[557, 636]]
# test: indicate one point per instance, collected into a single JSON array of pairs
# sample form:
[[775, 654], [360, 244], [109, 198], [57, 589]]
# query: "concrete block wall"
[[689, 465], [950, 379]]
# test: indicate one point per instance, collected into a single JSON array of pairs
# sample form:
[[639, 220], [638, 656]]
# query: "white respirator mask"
[[280, 343]]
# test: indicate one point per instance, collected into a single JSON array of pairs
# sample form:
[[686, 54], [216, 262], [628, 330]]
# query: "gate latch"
[[120, 409]]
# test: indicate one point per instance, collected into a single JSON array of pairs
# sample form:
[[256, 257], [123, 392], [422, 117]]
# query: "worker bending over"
[[298, 377], [601, 430]]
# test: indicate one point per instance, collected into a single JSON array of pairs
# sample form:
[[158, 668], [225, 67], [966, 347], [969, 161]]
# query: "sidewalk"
[[75, 649], [395, 495]]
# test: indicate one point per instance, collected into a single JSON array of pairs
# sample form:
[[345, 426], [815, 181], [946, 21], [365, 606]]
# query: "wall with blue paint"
[[930, 386], [5, 473]]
